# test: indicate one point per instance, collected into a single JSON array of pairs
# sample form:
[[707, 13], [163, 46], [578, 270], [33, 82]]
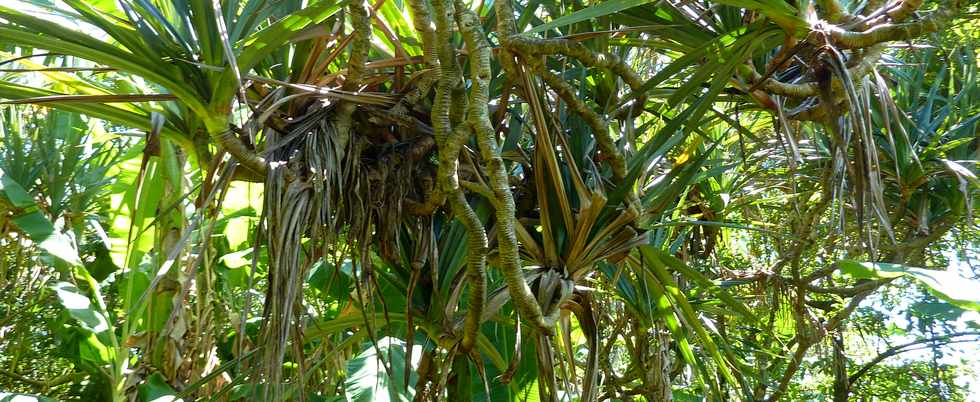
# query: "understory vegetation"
[[507, 200]]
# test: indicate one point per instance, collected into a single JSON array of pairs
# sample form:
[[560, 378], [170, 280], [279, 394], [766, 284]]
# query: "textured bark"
[[360, 46], [896, 12], [533, 48], [657, 376], [450, 140], [808, 89], [475, 269], [510, 259], [842, 386], [589, 58], [890, 32], [505, 28], [447, 77], [423, 25]]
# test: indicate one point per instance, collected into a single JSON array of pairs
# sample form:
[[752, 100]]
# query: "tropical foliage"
[[328, 200]]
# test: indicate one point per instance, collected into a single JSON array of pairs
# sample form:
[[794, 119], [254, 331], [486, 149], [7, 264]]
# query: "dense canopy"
[[506, 200]]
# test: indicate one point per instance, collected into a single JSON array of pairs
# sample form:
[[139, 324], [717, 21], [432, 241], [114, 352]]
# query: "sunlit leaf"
[[945, 284]]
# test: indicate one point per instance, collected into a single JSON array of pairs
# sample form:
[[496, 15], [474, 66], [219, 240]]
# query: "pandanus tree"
[[494, 199]]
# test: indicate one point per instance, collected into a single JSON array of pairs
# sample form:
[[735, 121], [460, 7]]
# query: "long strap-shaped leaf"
[[589, 13], [686, 311], [49, 35], [700, 279], [262, 43], [117, 113]]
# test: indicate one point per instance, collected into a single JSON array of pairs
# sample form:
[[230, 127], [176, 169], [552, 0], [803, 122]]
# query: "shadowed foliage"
[[424, 200]]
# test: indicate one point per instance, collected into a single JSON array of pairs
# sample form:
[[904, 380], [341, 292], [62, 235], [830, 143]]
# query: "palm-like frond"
[[600, 179]]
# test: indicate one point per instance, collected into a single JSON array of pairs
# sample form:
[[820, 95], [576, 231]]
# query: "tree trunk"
[[842, 387], [657, 379]]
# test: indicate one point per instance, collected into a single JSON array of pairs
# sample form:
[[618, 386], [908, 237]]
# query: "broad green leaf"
[[91, 350], [156, 389], [92, 320], [35, 224], [950, 286], [368, 379], [332, 281], [81, 309], [238, 259]]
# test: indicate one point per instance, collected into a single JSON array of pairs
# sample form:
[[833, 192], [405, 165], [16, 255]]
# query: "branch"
[[915, 245], [812, 88], [897, 12], [360, 44], [839, 318], [423, 25], [476, 261], [530, 46], [834, 12], [506, 27], [890, 32], [448, 140], [895, 350], [904, 9], [479, 188], [246, 157], [844, 291], [791, 369], [589, 58], [806, 342], [43, 384]]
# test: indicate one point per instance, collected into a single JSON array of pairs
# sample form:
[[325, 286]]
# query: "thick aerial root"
[[478, 116], [808, 89], [360, 46], [475, 268], [599, 125], [890, 32]]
